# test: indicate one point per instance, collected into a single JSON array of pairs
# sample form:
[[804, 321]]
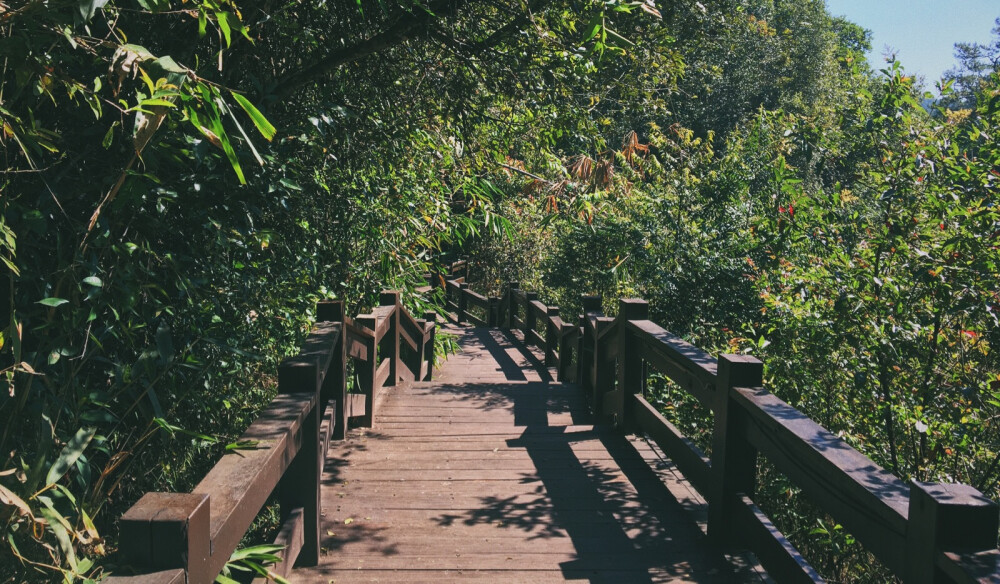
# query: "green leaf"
[[109, 136], [85, 9], [58, 525], [263, 126], [93, 281], [257, 552], [223, 19], [155, 102], [239, 126], [69, 454], [240, 444], [224, 142], [68, 33], [53, 302], [593, 27]]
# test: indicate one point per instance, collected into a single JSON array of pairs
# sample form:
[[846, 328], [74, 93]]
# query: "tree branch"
[[406, 26]]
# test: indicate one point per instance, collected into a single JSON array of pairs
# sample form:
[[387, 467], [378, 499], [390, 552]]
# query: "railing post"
[[734, 460], [428, 355], [631, 373], [565, 353], [551, 335], [335, 385], [463, 302], [492, 312], [299, 486], [604, 370], [366, 371], [529, 315], [511, 308], [391, 298], [584, 354], [587, 346], [164, 531], [945, 518]]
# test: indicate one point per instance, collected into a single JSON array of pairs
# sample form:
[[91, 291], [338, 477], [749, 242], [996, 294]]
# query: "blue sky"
[[921, 32]]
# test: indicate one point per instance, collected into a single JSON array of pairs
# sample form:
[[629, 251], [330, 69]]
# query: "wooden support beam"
[[734, 460], [300, 483], [492, 314], [551, 335], [946, 518], [169, 530], [390, 298], [631, 370], [510, 306], [428, 355], [334, 387], [529, 314], [366, 371], [463, 302]]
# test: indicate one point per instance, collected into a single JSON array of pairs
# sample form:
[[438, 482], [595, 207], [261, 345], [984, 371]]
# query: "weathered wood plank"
[[538, 308], [320, 346], [971, 568], [475, 320], [410, 325], [476, 299], [782, 561], [480, 475], [240, 483], [290, 538], [163, 577], [688, 366], [356, 404], [868, 500], [358, 338], [689, 458], [405, 336], [382, 373]]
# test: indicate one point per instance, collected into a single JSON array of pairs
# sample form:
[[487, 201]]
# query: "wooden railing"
[[923, 532], [188, 537]]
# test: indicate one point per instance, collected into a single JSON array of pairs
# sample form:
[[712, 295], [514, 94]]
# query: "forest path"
[[494, 472]]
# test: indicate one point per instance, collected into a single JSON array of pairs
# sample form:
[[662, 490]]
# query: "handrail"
[[922, 532], [461, 299], [189, 537]]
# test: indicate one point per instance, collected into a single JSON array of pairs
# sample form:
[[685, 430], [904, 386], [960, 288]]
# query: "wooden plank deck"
[[496, 473]]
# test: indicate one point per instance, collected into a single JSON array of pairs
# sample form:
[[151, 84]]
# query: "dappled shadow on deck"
[[501, 479], [492, 354], [624, 524]]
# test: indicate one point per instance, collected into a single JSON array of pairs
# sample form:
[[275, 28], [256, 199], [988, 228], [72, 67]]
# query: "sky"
[[922, 33]]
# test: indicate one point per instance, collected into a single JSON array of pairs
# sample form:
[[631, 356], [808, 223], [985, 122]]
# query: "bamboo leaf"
[[52, 302], [227, 147], [593, 27], [263, 126], [69, 454], [223, 20], [9, 499]]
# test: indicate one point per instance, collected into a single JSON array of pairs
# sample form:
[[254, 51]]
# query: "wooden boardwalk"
[[496, 473]]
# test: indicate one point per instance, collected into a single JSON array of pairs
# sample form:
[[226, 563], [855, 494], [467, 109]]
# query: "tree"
[[976, 62]]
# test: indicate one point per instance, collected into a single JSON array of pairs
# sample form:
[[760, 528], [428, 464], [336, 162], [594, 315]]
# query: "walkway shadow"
[[624, 524], [499, 343], [582, 488], [531, 402]]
